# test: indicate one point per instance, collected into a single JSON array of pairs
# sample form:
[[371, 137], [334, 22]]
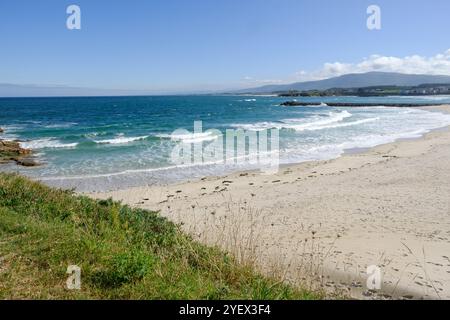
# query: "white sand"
[[388, 207]]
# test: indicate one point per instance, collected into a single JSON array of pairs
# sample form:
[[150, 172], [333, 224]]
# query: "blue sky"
[[188, 45]]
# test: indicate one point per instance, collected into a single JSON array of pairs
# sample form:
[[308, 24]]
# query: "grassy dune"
[[123, 253]]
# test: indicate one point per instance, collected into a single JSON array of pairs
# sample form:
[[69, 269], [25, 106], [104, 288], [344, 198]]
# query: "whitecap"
[[47, 143], [298, 124], [11, 128], [342, 125], [60, 125], [120, 140]]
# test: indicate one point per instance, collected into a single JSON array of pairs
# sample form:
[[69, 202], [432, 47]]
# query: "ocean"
[[107, 143]]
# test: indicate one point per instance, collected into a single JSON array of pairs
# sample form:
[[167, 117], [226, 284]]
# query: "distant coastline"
[[295, 103], [363, 84], [375, 91]]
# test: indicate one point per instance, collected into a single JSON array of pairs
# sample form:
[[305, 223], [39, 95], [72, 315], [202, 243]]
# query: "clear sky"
[[183, 45]]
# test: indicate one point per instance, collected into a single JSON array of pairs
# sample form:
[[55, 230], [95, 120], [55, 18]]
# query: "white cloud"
[[415, 64]]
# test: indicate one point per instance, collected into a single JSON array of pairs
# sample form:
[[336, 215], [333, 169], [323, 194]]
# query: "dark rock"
[[26, 162], [295, 103]]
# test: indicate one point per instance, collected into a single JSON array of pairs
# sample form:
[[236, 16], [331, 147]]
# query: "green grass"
[[123, 253]]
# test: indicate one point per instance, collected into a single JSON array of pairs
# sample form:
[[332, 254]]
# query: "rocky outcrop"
[[296, 103], [12, 151], [13, 148], [1, 130]]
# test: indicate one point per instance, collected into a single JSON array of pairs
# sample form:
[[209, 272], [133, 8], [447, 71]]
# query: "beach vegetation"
[[122, 252]]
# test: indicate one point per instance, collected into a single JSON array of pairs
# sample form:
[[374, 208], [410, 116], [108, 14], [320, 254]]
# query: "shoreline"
[[310, 219]]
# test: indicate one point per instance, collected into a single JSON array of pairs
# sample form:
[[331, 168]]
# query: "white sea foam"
[[60, 125], [6, 134], [93, 134], [47, 143], [302, 124], [320, 124], [227, 160], [321, 152], [191, 137], [341, 125], [334, 150], [11, 128], [120, 140]]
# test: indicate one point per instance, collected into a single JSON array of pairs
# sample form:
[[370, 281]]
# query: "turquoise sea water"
[[103, 143]]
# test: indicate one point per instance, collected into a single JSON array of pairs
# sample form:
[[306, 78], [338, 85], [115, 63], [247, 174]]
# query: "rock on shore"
[[12, 151]]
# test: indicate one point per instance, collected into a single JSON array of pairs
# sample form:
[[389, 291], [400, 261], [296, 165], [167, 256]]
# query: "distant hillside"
[[354, 80], [377, 91]]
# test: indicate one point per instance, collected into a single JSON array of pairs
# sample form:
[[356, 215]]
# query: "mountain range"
[[354, 80]]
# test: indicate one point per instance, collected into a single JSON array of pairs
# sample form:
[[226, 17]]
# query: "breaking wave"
[[48, 143]]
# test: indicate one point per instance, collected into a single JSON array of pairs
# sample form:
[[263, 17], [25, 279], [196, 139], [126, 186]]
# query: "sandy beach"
[[325, 222]]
